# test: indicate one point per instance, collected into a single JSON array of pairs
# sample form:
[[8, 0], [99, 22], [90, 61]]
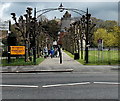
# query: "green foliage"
[[116, 33], [16, 33], [109, 38], [100, 34], [52, 27], [106, 30], [4, 37], [4, 41], [12, 41], [108, 24], [14, 37]]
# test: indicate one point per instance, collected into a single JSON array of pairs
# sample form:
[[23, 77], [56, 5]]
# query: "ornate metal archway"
[[85, 15], [60, 8]]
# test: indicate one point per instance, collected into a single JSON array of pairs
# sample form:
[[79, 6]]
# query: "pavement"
[[53, 65]]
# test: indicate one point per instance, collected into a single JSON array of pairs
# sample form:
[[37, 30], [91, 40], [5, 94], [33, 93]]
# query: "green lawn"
[[103, 57], [68, 53], [20, 62], [100, 57]]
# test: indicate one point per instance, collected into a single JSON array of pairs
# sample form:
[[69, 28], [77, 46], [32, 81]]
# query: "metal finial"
[[61, 5]]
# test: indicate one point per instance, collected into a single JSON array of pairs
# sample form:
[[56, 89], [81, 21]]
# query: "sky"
[[101, 9]]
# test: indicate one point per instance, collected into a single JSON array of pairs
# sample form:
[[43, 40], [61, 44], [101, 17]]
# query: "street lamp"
[[8, 41], [87, 32]]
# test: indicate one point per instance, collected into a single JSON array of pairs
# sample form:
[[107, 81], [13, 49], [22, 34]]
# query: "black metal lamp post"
[[34, 36], [87, 36], [78, 36], [8, 41]]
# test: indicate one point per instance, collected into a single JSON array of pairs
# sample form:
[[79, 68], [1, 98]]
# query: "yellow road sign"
[[17, 50]]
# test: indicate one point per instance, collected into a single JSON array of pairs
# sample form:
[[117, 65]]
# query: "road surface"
[[60, 85]]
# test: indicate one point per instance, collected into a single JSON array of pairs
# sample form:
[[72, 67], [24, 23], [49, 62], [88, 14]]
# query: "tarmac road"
[[60, 85]]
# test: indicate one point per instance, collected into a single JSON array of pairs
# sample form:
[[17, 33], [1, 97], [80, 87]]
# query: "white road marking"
[[49, 73], [69, 84], [110, 83], [26, 86]]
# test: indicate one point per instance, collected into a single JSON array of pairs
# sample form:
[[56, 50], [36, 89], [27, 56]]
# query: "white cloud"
[[60, 0], [4, 7], [105, 11]]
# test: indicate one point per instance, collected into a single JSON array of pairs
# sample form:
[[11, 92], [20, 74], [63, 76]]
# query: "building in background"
[[66, 21]]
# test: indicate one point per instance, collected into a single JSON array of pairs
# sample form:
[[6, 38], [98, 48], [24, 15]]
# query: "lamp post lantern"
[[60, 8]]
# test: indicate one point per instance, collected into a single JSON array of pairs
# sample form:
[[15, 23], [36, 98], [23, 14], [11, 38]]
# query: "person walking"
[[52, 52], [45, 52]]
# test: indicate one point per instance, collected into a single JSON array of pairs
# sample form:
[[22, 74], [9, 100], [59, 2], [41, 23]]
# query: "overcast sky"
[[102, 10]]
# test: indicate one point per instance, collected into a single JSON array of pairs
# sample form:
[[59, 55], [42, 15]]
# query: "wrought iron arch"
[[60, 8]]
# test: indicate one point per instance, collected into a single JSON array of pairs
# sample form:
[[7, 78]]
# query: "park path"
[[54, 63]]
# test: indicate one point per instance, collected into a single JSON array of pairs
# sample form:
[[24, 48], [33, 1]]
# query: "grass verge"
[[99, 57], [20, 62], [72, 56]]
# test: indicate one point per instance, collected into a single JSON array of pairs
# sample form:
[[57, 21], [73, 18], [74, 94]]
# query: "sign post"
[[9, 32], [100, 44], [100, 48]]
